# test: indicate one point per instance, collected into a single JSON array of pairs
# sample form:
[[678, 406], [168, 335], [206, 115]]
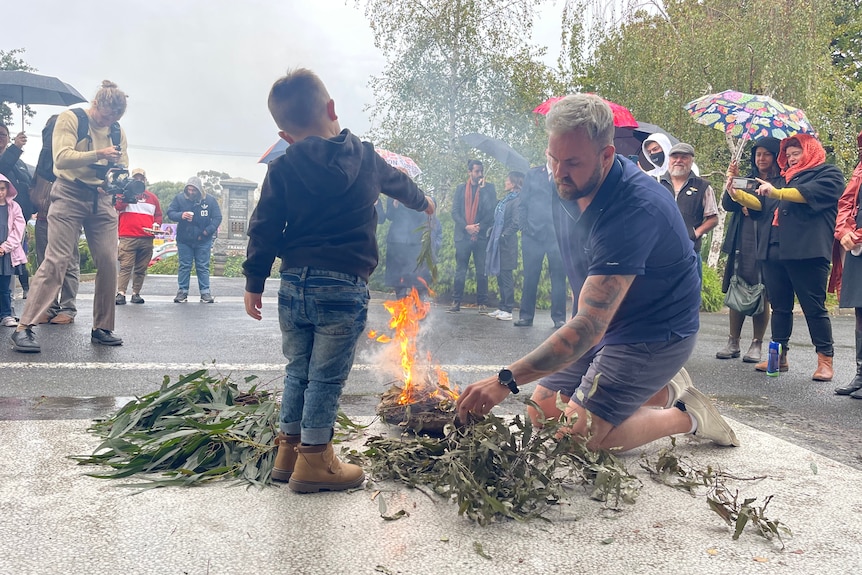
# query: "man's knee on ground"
[[546, 400]]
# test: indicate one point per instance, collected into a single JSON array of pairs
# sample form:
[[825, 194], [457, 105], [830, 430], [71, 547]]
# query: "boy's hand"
[[253, 304], [430, 209]]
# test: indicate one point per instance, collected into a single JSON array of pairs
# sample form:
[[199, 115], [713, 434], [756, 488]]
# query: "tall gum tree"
[[455, 67]]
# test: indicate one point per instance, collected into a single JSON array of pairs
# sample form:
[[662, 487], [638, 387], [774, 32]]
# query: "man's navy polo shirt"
[[633, 227]]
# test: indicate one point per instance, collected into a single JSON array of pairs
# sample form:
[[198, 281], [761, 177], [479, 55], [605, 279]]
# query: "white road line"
[[188, 367]]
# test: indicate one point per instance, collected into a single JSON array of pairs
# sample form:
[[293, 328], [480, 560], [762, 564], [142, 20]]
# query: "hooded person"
[[660, 159], [744, 233], [11, 251], [198, 216]]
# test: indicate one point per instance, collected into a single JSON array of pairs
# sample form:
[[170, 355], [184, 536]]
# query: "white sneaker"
[[9, 321], [677, 386], [505, 316], [495, 313], [710, 423]]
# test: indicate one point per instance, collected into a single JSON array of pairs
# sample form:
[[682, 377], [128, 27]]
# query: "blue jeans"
[[199, 255], [6, 283], [321, 314]]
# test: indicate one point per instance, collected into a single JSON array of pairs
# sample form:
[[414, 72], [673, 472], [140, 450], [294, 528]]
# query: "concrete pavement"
[[56, 520]]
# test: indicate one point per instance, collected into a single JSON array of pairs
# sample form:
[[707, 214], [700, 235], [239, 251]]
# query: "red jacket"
[[845, 222], [135, 217]]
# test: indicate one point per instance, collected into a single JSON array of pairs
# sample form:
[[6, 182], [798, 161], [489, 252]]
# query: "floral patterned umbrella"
[[623, 118], [748, 116]]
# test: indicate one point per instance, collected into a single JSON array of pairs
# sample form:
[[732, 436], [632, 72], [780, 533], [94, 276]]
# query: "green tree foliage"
[[454, 67], [11, 60], [166, 192]]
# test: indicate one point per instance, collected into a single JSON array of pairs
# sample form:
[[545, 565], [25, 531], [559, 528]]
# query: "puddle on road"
[[55, 408]]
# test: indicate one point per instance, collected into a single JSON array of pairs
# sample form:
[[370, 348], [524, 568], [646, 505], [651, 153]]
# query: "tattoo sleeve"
[[599, 301]]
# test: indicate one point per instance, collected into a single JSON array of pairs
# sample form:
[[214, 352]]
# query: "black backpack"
[[45, 165]]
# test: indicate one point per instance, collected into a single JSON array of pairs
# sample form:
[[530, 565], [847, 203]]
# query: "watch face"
[[505, 376]]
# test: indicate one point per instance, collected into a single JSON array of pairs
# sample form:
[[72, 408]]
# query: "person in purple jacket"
[[316, 213]]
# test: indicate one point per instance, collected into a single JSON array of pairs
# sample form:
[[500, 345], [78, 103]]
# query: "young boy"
[[316, 212]]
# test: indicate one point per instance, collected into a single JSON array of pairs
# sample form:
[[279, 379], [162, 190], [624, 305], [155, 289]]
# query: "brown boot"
[[285, 458], [754, 352], [730, 350], [782, 363], [318, 469], [824, 368]]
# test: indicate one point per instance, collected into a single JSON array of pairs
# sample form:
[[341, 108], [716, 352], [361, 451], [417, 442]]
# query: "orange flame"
[[419, 380]]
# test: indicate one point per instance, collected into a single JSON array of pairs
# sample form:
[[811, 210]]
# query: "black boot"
[[855, 385]]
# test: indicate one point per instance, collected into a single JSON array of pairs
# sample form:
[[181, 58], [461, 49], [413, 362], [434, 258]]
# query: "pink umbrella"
[[623, 118]]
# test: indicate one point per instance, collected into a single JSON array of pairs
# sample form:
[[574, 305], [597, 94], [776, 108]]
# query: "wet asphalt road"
[[72, 378]]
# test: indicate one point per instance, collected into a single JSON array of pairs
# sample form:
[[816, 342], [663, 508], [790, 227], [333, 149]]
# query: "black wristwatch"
[[506, 378]]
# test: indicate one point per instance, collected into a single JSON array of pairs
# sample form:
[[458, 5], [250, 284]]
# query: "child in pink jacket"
[[11, 253]]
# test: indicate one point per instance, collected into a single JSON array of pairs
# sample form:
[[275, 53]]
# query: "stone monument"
[[237, 200]]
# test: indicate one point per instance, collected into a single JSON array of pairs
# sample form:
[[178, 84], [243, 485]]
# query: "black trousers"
[[463, 250], [533, 253], [807, 280]]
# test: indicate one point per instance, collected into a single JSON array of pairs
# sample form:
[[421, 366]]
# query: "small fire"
[[422, 380]]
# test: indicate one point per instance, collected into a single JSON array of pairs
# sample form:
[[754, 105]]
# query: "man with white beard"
[[694, 197]]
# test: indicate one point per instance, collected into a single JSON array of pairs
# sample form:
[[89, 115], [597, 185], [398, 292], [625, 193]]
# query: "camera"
[[745, 184], [122, 187]]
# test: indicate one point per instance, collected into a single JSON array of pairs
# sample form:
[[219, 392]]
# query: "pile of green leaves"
[[194, 430], [496, 468]]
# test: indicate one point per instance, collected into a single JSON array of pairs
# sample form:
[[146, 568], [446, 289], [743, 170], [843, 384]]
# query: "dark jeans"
[[533, 253], [506, 283], [807, 280], [463, 250]]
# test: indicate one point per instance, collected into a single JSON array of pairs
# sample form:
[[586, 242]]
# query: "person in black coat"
[[798, 221], [740, 245], [403, 246], [502, 256], [472, 225]]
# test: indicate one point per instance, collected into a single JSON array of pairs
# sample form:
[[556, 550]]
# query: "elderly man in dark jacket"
[[199, 217]]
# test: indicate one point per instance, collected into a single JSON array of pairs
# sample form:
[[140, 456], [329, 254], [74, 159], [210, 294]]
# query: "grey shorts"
[[629, 375]]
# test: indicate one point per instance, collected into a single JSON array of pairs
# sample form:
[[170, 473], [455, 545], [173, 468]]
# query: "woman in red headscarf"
[[798, 221]]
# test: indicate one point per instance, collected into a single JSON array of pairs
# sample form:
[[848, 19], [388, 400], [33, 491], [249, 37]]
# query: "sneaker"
[[207, 298], [710, 423], [495, 313], [456, 307], [25, 341], [181, 297], [105, 337], [483, 310], [9, 321], [121, 299], [136, 298], [504, 316]]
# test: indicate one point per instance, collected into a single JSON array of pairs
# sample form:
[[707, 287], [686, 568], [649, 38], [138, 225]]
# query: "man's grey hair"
[[582, 111]]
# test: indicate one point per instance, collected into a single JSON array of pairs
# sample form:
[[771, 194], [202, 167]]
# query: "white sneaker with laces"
[[495, 313], [505, 316], [9, 321]]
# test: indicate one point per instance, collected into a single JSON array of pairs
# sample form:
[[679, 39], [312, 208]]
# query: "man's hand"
[[472, 229], [431, 208], [20, 140], [480, 397], [253, 304], [187, 216], [111, 154]]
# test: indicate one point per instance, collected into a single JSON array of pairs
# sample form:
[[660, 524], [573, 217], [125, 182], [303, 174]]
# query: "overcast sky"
[[197, 72]]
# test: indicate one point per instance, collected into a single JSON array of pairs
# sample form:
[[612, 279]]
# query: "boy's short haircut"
[[298, 100]]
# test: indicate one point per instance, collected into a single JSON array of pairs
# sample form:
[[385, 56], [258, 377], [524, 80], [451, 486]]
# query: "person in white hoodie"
[[656, 148], [12, 227]]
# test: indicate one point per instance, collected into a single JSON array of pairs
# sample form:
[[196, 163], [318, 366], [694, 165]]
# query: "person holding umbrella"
[[740, 244], [797, 251]]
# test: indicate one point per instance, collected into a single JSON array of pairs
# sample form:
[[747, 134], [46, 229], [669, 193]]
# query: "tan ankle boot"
[[824, 368], [285, 458], [318, 469]]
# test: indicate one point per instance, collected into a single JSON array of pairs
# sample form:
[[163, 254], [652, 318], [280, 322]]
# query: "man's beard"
[[679, 171], [573, 191]]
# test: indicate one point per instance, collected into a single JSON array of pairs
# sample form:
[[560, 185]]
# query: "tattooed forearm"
[[599, 300]]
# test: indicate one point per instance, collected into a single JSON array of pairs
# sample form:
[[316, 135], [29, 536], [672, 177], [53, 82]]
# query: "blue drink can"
[[772, 359]]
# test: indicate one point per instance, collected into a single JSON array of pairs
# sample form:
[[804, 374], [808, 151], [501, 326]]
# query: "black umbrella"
[[497, 149], [628, 141], [22, 88]]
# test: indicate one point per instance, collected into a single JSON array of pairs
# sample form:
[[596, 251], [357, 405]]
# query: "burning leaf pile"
[[425, 399]]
